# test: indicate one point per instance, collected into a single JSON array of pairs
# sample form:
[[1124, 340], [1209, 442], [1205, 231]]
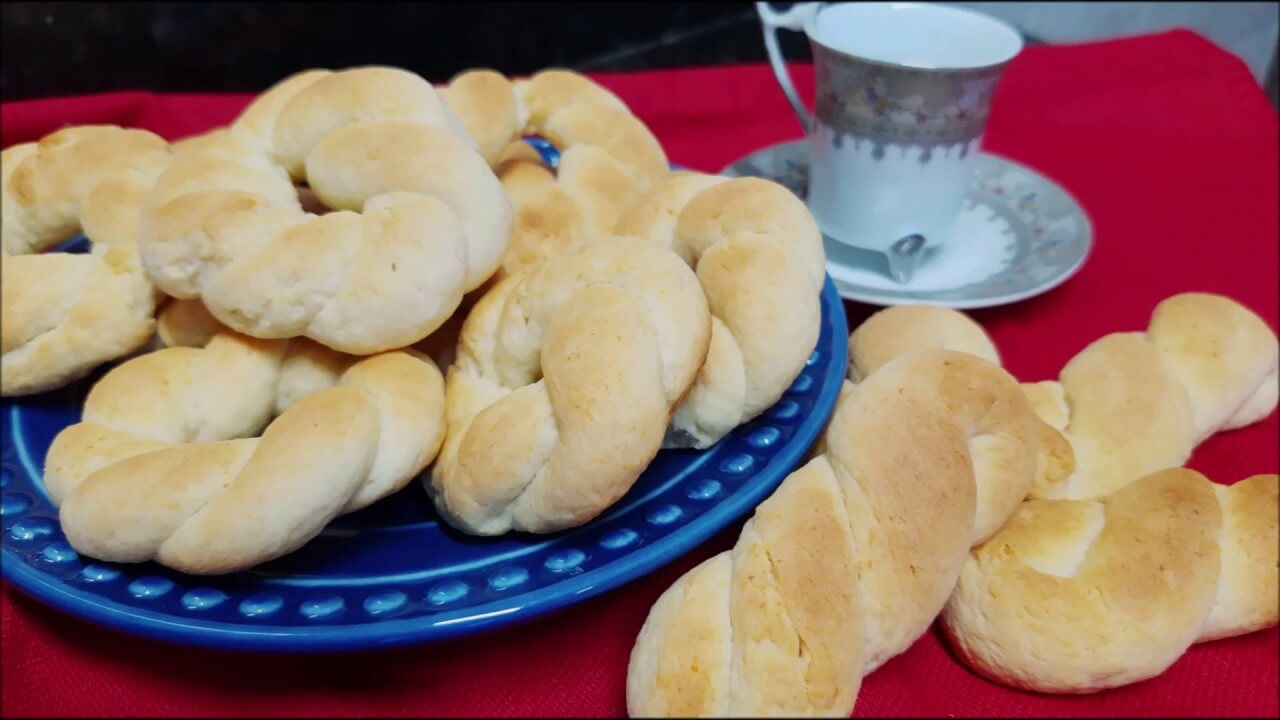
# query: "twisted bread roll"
[[608, 157], [1077, 596], [758, 255], [833, 575], [64, 314], [565, 379], [1115, 570], [1068, 596], [1138, 402], [163, 467], [420, 218], [756, 249]]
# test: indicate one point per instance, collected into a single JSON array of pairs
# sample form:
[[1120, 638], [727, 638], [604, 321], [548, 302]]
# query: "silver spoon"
[[904, 257]]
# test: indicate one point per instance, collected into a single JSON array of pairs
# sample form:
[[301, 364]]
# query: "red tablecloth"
[[1167, 142]]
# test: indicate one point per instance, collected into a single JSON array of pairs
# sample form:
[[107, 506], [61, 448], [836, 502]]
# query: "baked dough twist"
[[1110, 574], [419, 216], [756, 249], [565, 378], [163, 466], [608, 157], [65, 314], [1132, 403], [1069, 595], [758, 255], [1075, 596], [833, 575]]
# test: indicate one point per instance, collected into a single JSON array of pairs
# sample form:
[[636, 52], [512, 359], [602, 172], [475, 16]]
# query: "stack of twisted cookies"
[[1096, 560], [316, 259]]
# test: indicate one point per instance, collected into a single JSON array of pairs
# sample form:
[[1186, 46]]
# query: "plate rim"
[[472, 620], [872, 297]]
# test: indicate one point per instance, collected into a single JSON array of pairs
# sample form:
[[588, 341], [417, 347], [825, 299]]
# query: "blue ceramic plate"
[[391, 574]]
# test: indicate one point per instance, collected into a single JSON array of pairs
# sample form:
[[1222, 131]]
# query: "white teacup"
[[903, 91]]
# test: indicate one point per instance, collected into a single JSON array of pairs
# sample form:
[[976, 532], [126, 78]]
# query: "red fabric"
[[1167, 142]]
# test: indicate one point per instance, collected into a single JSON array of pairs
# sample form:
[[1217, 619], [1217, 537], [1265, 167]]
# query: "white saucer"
[[1023, 235]]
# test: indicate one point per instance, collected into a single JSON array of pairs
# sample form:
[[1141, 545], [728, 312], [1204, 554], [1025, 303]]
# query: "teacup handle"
[[794, 18]]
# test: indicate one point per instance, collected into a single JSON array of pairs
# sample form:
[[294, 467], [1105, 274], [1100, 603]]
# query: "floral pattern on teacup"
[[902, 105]]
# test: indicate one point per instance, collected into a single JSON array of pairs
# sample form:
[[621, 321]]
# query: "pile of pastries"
[[364, 280], [1049, 525], [306, 261]]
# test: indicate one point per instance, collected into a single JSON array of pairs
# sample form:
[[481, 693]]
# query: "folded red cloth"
[[1170, 146]]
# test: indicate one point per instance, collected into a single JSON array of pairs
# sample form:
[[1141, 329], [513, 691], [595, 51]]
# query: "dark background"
[[68, 48], [65, 48]]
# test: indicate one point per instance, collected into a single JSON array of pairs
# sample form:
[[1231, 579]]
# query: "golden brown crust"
[[1076, 596], [164, 466], [64, 315], [1129, 415], [547, 91], [1222, 354], [684, 648], [1123, 563], [419, 217], [1070, 595], [833, 576], [564, 381], [186, 323], [608, 157], [486, 106], [902, 329], [759, 258], [1250, 545], [1141, 401]]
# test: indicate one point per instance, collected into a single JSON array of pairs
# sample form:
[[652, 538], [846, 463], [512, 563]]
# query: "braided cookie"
[[565, 379], [1132, 403], [1076, 596], [64, 314], [164, 467], [1109, 575], [419, 216], [608, 157], [833, 575], [758, 255], [600, 175]]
